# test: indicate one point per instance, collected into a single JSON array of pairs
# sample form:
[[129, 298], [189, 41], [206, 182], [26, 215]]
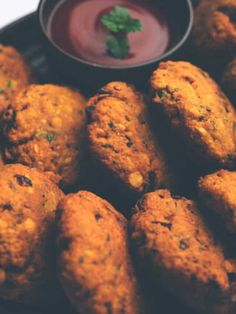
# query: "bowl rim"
[[164, 56]]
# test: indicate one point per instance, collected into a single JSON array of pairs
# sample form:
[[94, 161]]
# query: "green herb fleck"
[[161, 94], [49, 136], [119, 23], [2, 91], [10, 84]]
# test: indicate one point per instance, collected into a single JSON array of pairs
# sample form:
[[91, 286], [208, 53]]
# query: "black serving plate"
[[24, 35]]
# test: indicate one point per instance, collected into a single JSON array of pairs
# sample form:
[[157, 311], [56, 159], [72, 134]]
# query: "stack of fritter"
[[122, 150]]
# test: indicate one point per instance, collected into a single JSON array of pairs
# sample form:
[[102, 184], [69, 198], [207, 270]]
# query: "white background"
[[10, 10]]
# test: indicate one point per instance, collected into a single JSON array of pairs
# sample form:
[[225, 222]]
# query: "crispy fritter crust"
[[218, 193], [121, 138], [174, 244], [198, 111], [94, 264], [28, 201], [214, 31], [44, 128], [229, 79], [15, 74], [2, 161]]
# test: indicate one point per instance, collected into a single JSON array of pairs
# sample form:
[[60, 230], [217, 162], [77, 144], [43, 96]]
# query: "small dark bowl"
[[90, 76]]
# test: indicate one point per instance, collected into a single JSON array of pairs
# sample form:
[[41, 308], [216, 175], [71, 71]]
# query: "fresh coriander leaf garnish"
[[118, 45], [2, 91], [119, 20], [119, 23], [10, 84]]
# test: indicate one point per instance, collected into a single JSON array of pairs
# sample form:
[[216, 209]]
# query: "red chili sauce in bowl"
[[75, 26]]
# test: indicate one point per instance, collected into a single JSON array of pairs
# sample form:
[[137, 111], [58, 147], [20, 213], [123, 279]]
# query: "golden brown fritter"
[[121, 139], [15, 74], [28, 202], [198, 111], [44, 128], [2, 161], [214, 31], [175, 246], [94, 263], [218, 194], [229, 79]]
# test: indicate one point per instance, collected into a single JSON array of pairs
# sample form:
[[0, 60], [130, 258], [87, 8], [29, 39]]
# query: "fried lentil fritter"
[[2, 161], [199, 112], [174, 244], [214, 31], [218, 194], [15, 74], [121, 139], [44, 128], [94, 263], [28, 201]]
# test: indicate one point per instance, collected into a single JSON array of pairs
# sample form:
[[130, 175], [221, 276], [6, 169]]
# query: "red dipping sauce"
[[75, 26]]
